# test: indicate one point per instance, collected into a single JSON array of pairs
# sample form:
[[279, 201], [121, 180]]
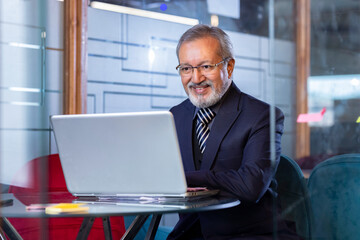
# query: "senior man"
[[224, 137]]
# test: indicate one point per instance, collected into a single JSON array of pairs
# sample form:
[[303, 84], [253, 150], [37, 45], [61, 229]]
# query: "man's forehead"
[[200, 46]]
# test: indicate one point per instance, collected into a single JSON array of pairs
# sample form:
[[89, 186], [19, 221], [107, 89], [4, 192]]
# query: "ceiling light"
[[144, 13], [214, 20]]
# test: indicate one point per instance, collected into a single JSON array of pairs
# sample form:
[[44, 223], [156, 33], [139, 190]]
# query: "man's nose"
[[197, 76]]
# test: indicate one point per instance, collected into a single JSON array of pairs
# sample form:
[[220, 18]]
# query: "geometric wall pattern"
[[131, 67]]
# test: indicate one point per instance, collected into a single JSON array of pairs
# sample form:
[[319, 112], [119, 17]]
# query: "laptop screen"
[[120, 153]]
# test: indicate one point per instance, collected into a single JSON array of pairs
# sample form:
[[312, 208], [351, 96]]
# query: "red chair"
[[53, 228]]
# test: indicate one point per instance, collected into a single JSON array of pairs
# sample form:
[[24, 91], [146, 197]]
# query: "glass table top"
[[107, 207]]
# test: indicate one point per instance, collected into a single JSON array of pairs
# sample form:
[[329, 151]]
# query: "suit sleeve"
[[250, 182]]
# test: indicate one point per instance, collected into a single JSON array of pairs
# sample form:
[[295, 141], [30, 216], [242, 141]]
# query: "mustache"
[[202, 84]]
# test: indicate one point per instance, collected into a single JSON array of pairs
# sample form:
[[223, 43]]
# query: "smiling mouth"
[[200, 89]]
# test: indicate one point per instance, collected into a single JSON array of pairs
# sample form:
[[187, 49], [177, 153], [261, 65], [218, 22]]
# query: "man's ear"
[[230, 67]]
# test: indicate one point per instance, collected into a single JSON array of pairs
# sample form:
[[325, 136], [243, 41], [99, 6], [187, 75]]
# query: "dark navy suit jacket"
[[237, 162]]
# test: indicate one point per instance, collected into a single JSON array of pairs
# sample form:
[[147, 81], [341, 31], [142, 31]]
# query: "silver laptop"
[[121, 155]]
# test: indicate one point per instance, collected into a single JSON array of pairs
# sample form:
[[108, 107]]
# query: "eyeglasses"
[[187, 70]]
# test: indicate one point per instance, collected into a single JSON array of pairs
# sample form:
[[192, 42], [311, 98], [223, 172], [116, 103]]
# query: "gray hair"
[[201, 31]]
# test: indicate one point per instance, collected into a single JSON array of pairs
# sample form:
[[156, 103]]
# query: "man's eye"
[[206, 67], [185, 69]]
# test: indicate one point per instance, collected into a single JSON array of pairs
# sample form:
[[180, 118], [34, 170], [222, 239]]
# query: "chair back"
[[334, 191], [292, 194], [57, 228]]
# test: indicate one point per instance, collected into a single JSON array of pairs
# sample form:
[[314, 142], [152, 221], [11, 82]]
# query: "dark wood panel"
[[75, 56], [302, 74]]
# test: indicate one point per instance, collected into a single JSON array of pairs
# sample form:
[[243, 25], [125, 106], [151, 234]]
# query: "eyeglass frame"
[[197, 67]]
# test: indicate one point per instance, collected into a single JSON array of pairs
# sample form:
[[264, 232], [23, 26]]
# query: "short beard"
[[215, 96]]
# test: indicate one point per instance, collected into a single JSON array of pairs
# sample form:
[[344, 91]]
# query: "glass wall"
[[31, 81], [334, 81], [131, 67], [333, 94], [31, 47]]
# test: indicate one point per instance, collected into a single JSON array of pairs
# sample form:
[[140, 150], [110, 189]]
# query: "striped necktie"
[[204, 117]]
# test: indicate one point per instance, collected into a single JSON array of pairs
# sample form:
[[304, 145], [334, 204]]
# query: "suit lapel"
[[226, 116], [185, 134]]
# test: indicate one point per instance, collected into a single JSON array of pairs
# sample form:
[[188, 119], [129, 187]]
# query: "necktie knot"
[[204, 115]]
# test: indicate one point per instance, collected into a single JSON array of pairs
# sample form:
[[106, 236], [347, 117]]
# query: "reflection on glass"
[[24, 48], [333, 185], [334, 81]]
